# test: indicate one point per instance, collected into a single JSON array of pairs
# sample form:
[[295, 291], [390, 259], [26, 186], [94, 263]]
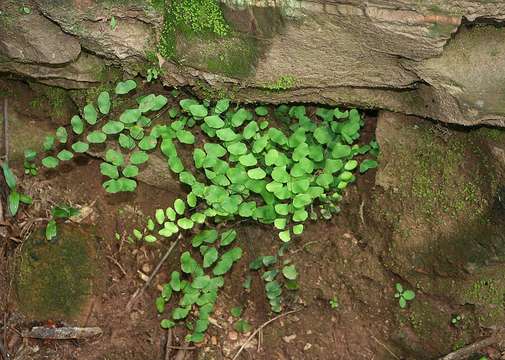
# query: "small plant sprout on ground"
[[334, 304], [403, 296], [456, 319], [272, 165]]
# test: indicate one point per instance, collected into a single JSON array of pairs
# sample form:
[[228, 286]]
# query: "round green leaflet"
[[198, 110], [138, 157], [214, 121], [228, 237], [256, 173], [289, 272], [210, 257], [214, 150], [126, 142], [113, 127], [114, 157], [285, 236], [350, 165], [130, 171], [221, 106], [240, 116], [167, 324], [261, 111], [50, 162], [90, 114], [61, 135], [159, 102], [109, 170], [324, 180], [103, 102], [186, 103], [300, 215], [198, 157], [227, 134], [128, 185], [237, 148], [136, 132], [298, 229], [96, 137], [130, 116], [179, 206], [65, 155], [367, 164], [280, 223], [250, 130], [175, 164], [48, 143], [185, 223], [185, 137], [340, 151], [248, 160], [148, 143], [77, 125], [125, 87]]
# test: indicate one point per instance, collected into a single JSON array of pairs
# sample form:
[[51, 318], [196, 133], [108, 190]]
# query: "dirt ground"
[[334, 259]]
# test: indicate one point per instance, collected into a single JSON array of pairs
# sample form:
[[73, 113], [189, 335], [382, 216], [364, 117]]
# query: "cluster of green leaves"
[[241, 325], [152, 74], [403, 295], [59, 212], [456, 319], [14, 198], [254, 170], [199, 281], [29, 162], [273, 285], [96, 127]]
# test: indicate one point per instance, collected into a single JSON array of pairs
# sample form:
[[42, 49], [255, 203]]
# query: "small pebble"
[[289, 338], [213, 340], [146, 268], [307, 346], [233, 335]]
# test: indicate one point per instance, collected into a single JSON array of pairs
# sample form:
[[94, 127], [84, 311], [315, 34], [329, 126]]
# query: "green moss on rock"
[[190, 17], [55, 279]]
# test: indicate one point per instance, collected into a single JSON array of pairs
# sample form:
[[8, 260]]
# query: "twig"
[[466, 351], [168, 344], [117, 263], [182, 347], [361, 212], [385, 347], [62, 333], [261, 328], [137, 293], [4, 353], [6, 132], [181, 354]]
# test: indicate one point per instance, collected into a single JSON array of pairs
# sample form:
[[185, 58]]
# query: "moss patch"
[[190, 17], [55, 279], [284, 82]]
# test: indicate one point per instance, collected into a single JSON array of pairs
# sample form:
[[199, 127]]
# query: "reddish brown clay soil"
[[333, 261]]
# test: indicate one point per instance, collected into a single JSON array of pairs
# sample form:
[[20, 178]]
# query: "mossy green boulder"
[[55, 280]]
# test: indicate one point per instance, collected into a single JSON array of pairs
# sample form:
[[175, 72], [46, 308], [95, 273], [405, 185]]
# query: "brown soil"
[[333, 258]]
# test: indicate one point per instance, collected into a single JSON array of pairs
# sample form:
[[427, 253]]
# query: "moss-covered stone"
[[190, 17], [56, 279]]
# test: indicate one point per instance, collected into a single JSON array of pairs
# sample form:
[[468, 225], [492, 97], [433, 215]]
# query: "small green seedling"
[[59, 212], [456, 319], [152, 74], [403, 295], [334, 304]]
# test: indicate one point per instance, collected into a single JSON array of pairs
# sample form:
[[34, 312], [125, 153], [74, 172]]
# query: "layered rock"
[[432, 59]]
